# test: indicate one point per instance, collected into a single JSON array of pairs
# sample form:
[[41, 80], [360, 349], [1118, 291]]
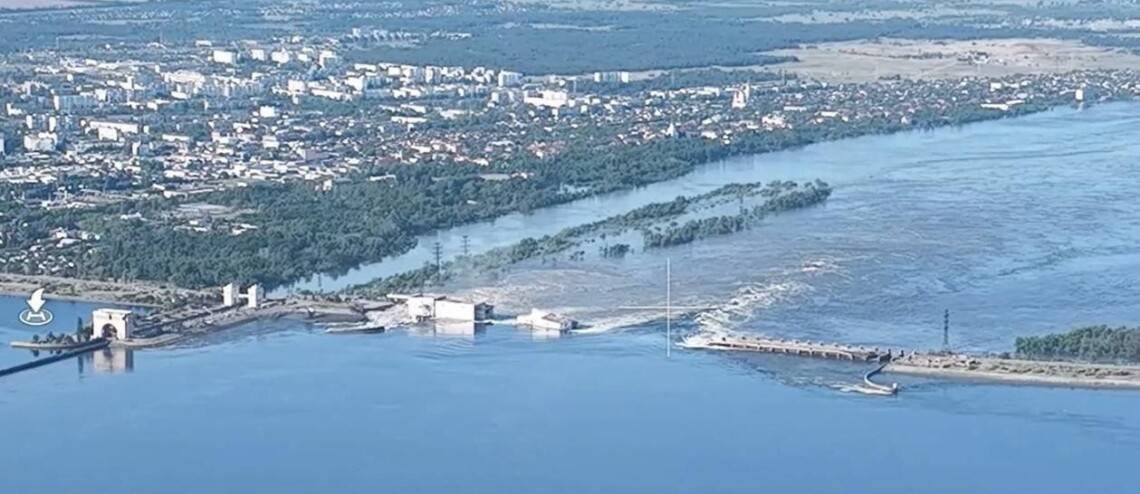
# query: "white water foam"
[[750, 299]]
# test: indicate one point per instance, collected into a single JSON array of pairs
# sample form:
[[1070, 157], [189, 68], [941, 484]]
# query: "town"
[[172, 123]]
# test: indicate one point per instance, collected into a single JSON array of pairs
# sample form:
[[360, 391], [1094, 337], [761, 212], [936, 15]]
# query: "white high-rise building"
[[225, 57], [547, 99], [507, 78]]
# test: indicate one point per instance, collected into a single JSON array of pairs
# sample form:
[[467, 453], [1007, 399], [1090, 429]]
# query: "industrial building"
[[254, 295], [432, 307], [546, 321]]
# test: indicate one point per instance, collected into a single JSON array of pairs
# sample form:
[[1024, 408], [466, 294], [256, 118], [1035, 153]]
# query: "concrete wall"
[[421, 307], [454, 310]]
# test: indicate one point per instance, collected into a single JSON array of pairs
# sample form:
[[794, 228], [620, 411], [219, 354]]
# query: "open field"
[[840, 17], [867, 60], [58, 4]]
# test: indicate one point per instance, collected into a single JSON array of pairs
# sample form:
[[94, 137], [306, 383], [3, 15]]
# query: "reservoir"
[[1018, 227]]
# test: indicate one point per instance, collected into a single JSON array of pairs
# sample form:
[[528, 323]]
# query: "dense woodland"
[[1092, 343]]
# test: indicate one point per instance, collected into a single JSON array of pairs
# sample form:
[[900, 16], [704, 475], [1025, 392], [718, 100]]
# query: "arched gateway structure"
[[112, 323]]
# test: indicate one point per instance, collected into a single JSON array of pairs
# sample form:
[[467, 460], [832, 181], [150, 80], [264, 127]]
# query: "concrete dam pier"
[[834, 351]]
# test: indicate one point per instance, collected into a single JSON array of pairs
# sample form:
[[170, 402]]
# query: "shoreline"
[[135, 294], [5, 292], [1024, 372]]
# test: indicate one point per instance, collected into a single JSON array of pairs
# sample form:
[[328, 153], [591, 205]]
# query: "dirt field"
[[866, 60]]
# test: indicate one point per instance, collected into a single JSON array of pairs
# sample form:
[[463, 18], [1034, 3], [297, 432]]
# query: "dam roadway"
[[946, 365], [835, 351]]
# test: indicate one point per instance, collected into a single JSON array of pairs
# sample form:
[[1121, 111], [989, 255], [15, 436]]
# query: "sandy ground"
[[839, 17], [1021, 371], [604, 5], [39, 4], [867, 60]]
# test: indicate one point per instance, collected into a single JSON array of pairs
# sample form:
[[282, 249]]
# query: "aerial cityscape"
[[470, 246]]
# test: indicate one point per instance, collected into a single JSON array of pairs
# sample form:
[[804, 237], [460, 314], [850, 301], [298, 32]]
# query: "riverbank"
[[138, 294], [1014, 371]]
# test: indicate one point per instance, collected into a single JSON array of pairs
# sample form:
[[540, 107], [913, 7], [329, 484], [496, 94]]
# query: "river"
[[1018, 227]]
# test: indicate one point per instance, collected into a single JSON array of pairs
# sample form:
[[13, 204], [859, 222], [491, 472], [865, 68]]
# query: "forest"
[[1092, 344]]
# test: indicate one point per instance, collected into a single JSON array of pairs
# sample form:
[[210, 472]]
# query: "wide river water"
[[1018, 227]]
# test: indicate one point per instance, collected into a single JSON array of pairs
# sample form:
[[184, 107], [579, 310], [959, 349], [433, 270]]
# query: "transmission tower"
[[946, 330], [437, 251]]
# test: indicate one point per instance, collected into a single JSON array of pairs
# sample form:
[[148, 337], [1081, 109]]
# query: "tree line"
[[1092, 343]]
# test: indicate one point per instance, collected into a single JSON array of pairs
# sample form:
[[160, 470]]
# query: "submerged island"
[[728, 209]]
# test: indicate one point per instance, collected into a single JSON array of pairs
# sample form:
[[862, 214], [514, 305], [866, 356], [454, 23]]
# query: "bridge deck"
[[792, 347]]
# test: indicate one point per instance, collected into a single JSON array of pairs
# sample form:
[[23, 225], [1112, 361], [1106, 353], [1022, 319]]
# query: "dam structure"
[[941, 364], [750, 343]]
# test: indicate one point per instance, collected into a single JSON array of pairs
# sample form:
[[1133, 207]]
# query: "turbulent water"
[[1018, 227]]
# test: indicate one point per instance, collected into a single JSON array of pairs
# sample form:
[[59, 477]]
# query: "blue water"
[[303, 412], [1020, 226]]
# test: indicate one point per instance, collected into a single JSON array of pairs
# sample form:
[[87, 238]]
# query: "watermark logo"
[[36, 314]]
